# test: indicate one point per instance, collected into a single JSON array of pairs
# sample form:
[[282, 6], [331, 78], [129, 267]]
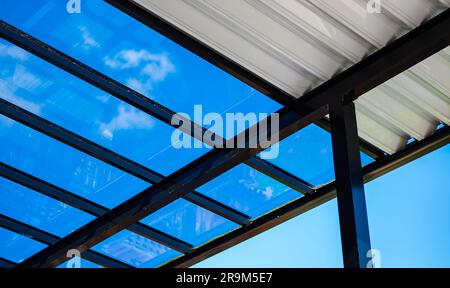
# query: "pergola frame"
[[334, 97]]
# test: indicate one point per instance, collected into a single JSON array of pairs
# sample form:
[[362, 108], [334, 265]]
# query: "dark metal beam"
[[109, 85], [88, 206], [4, 263], [49, 239], [91, 148], [168, 190], [354, 224], [280, 175], [308, 202]]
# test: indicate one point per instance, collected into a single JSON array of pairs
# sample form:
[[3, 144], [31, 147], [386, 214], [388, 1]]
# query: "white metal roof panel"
[[297, 44]]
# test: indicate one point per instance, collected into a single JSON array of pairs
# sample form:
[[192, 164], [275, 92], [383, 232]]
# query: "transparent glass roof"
[[189, 222], [249, 191], [136, 250], [133, 54], [39, 211], [45, 90], [16, 248], [61, 165]]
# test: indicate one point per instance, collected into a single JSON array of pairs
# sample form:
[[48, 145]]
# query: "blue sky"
[[134, 55], [408, 219]]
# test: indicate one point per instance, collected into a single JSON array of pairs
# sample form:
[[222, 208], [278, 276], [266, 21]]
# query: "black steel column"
[[349, 185]]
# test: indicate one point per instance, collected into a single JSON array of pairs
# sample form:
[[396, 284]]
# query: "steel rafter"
[[87, 206], [50, 239]]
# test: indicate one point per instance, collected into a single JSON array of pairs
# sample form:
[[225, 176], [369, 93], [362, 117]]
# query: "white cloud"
[[152, 68], [128, 118], [268, 192], [88, 39], [13, 52], [24, 79], [159, 68], [8, 91]]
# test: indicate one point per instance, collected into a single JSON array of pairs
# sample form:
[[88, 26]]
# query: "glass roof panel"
[[121, 47], [136, 250], [249, 191], [59, 164], [308, 154], [16, 248], [189, 222], [37, 210], [83, 264], [45, 90]]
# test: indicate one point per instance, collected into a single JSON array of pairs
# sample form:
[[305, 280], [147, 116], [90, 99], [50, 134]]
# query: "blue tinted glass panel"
[[133, 54], [16, 248], [39, 211], [249, 191], [84, 264], [54, 162], [136, 250], [308, 154], [189, 222], [43, 89]]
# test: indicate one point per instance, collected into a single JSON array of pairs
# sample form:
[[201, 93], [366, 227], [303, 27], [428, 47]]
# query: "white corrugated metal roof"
[[297, 44]]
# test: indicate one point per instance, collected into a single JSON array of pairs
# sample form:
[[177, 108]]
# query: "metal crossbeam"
[[49, 239], [323, 194], [87, 206]]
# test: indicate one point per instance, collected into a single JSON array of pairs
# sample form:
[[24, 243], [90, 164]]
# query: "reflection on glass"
[[59, 164], [133, 54], [39, 211], [16, 248], [136, 250], [189, 222], [43, 89], [308, 154], [249, 191]]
